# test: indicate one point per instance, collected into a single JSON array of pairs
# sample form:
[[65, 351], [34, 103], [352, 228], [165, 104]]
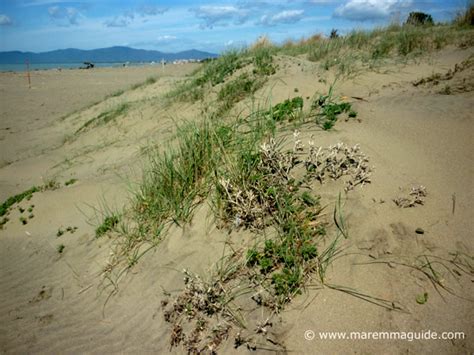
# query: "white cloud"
[[369, 10], [50, 2], [55, 11], [118, 21], [283, 17], [254, 4], [288, 16], [130, 15], [220, 15], [323, 2], [64, 15], [151, 10], [5, 20], [166, 39]]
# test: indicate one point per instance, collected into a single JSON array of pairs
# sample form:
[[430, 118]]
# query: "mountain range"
[[102, 55]]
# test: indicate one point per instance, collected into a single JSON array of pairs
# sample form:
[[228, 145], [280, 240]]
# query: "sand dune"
[[54, 302]]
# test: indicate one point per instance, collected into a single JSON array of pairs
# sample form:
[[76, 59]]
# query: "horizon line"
[[117, 46]]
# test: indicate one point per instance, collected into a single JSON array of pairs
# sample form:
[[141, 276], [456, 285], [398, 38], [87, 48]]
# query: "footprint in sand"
[[399, 229]]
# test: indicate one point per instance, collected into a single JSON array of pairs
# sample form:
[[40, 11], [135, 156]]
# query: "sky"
[[208, 25]]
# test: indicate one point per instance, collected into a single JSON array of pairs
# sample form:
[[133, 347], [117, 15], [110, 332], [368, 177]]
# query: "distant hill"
[[102, 55]]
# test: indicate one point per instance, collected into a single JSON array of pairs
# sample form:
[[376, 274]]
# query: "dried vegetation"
[[415, 197]]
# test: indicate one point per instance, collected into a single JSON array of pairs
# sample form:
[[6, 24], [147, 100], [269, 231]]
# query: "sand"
[[59, 303]]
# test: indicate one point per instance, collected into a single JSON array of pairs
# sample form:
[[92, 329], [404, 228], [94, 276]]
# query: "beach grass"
[[206, 153], [360, 48], [106, 116], [149, 81], [239, 166]]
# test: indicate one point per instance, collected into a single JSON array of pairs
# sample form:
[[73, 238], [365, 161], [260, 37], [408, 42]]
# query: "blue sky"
[[170, 26]]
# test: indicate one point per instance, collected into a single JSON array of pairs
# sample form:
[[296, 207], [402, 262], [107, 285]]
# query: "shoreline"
[[77, 66]]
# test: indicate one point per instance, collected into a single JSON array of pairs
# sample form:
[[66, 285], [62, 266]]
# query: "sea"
[[47, 66]]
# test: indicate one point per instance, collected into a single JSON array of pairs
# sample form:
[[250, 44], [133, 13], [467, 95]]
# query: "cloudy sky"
[[210, 25]]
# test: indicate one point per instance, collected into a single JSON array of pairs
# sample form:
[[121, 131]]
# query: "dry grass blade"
[[390, 305], [426, 265]]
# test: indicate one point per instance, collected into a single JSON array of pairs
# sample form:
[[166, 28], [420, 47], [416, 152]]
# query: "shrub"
[[334, 34], [419, 19]]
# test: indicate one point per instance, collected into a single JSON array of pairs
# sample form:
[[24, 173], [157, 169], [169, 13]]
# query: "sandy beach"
[[414, 135]]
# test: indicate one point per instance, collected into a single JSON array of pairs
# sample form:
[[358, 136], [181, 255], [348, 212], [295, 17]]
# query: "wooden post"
[[28, 73]]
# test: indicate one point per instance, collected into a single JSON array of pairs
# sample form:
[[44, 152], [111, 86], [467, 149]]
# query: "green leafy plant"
[[266, 264], [109, 223], [327, 111], [309, 199], [4, 207], [308, 251], [289, 109], [252, 257], [422, 298], [287, 282], [70, 182], [352, 114]]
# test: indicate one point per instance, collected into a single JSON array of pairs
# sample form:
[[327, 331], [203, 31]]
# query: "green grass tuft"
[[217, 71], [150, 80], [70, 182], [236, 90], [263, 61], [362, 48], [106, 116], [109, 223]]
